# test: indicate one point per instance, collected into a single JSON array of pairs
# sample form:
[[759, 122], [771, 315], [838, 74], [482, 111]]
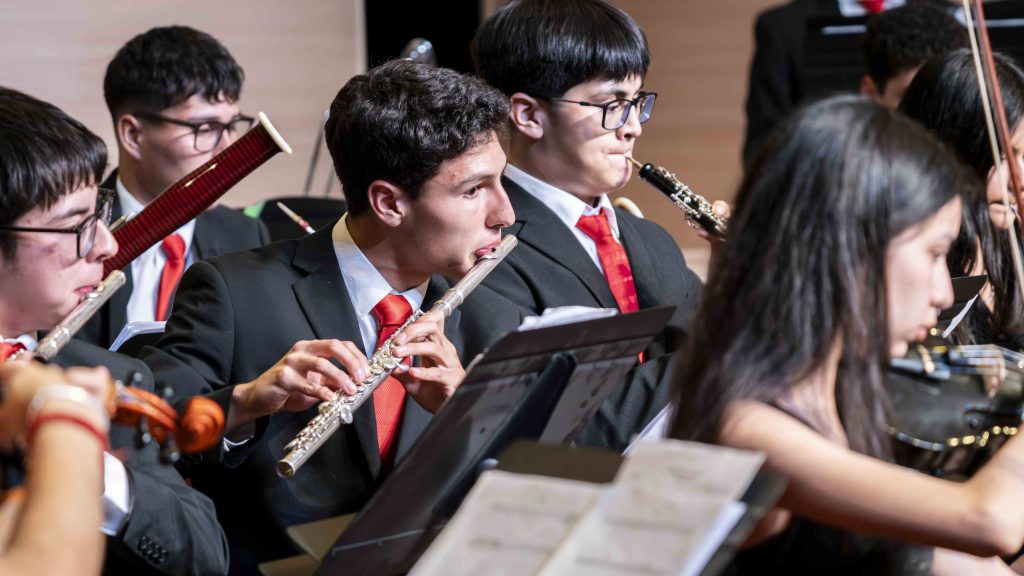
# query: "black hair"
[[166, 66], [945, 98], [545, 47], [805, 271], [906, 37], [401, 120], [46, 155]]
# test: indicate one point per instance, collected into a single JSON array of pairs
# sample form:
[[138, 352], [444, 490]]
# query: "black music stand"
[[542, 383]]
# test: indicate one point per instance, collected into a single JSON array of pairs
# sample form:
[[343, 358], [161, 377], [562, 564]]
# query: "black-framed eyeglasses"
[[614, 114], [206, 134], [84, 231]]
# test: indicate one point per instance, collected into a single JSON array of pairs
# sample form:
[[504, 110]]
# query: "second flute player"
[[418, 152]]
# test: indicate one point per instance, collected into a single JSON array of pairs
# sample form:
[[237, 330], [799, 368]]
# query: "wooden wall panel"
[[296, 56]]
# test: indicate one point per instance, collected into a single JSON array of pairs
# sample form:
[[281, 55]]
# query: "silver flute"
[[696, 209], [382, 364], [49, 346]]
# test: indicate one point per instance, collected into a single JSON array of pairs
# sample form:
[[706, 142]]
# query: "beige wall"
[[296, 56], [701, 55]]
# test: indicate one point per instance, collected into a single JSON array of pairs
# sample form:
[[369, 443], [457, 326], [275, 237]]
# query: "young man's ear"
[[389, 202], [128, 130], [528, 116], [869, 89]]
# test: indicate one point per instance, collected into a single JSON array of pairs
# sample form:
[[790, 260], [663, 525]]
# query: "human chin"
[[898, 348]]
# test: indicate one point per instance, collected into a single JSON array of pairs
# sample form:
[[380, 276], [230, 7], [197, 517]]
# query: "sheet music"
[[508, 525], [956, 320], [635, 532], [657, 429], [565, 315], [671, 506], [664, 467], [132, 329]]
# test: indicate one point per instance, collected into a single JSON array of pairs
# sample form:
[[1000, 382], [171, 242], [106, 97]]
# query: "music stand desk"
[[542, 383]]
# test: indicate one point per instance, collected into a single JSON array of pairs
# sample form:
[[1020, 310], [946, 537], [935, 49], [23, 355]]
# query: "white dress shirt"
[[366, 286], [568, 208], [149, 266], [853, 8]]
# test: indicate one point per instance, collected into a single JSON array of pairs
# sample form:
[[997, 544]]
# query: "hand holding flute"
[[305, 376]]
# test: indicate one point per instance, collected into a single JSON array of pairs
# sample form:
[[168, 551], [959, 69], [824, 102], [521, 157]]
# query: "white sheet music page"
[[635, 532], [508, 525], [676, 466]]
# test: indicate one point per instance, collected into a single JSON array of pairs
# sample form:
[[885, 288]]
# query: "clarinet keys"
[[696, 209]]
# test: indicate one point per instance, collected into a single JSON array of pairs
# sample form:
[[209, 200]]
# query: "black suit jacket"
[[777, 85], [219, 230], [549, 268], [237, 315], [172, 528]]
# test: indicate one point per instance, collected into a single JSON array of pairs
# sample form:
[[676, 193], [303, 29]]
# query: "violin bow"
[[999, 134]]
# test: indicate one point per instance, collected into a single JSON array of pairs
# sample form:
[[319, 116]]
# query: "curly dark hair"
[[166, 66], [906, 37], [545, 47], [46, 155], [401, 120]]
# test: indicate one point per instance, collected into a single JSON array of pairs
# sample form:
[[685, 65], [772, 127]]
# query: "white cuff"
[[116, 495]]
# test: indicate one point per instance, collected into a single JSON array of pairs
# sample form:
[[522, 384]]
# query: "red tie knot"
[[174, 248], [872, 6], [9, 348], [595, 226], [392, 310]]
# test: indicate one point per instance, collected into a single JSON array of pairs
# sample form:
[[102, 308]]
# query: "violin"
[[954, 406]]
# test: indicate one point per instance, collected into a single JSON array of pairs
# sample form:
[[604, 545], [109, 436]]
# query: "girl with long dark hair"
[[945, 98], [838, 261]]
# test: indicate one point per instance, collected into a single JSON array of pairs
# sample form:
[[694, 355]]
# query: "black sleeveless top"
[[808, 547]]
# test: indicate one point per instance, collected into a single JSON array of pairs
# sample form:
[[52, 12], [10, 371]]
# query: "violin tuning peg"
[[135, 378], [169, 453], [142, 435]]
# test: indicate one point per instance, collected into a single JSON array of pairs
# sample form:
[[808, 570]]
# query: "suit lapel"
[[539, 227], [205, 240], [648, 288], [328, 309]]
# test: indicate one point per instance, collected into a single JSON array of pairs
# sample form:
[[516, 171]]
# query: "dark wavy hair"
[[46, 155], [944, 97], [401, 120], [166, 66], [545, 47], [906, 37], [814, 217]]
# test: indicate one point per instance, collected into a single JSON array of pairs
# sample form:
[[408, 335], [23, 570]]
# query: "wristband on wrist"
[[68, 393], [79, 421]]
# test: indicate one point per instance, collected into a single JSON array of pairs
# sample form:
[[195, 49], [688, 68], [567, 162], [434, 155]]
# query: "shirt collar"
[[366, 286], [567, 207], [853, 8], [129, 203]]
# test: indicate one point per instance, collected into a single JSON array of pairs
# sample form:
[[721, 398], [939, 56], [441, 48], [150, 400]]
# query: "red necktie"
[[391, 312], [174, 248], [872, 6], [613, 260], [9, 348]]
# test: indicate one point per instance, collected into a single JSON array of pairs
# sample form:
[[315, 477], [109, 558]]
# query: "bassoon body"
[[197, 191]]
